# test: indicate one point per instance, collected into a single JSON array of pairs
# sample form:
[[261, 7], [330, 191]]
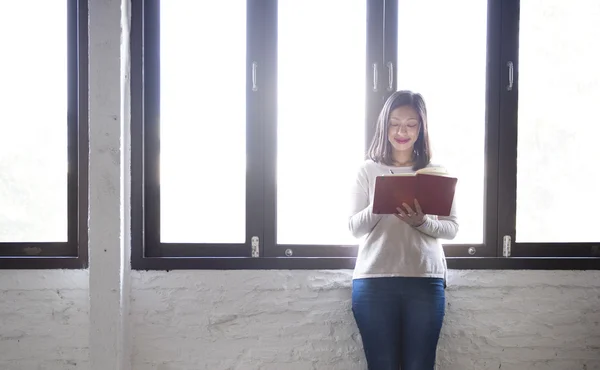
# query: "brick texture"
[[298, 320], [44, 320], [515, 320]]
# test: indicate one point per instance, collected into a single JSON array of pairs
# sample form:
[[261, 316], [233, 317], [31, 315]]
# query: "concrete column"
[[109, 234]]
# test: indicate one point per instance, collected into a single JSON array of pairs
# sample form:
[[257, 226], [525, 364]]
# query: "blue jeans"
[[399, 320]]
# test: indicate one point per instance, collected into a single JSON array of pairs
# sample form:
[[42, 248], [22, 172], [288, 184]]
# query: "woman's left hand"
[[413, 218]]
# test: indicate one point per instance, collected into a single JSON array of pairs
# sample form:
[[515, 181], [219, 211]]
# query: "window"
[[42, 183], [548, 144], [192, 206], [239, 107], [305, 61], [556, 146], [461, 47]]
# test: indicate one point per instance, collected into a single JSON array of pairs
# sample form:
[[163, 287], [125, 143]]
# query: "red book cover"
[[434, 191]]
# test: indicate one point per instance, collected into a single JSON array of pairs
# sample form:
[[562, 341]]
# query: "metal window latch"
[[390, 66], [255, 246], [254, 82], [375, 77], [511, 71], [506, 246]]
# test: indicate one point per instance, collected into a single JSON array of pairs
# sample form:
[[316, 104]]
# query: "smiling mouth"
[[402, 141]]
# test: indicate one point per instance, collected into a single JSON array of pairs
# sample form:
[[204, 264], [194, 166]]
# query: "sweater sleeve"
[[361, 220], [442, 227]]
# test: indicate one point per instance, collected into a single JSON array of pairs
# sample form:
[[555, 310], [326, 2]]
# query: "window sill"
[[337, 263], [243, 263], [42, 263]]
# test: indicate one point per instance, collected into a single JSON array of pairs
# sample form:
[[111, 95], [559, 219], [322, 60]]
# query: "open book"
[[431, 186]]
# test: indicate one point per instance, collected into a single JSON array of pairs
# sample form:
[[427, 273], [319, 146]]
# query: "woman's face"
[[403, 128]]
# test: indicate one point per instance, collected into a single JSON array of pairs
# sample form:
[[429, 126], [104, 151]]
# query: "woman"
[[398, 297]]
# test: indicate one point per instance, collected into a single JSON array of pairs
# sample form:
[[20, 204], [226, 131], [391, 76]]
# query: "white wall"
[[44, 320], [189, 320], [510, 320]]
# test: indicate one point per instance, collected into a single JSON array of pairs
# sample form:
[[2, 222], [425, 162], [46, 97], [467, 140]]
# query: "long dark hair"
[[380, 150]]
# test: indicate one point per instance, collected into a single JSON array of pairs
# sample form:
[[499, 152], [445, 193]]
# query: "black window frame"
[[528, 255], [72, 254], [381, 54]]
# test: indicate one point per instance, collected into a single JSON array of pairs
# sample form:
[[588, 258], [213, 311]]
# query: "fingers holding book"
[[412, 217]]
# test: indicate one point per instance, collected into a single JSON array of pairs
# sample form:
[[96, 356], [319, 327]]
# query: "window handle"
[[375, 77], [254, 84], [510, 66], [390, 66]]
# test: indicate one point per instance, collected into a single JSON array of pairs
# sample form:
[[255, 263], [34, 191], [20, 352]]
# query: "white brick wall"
[[288, 320], [510, 320], [44, 320]]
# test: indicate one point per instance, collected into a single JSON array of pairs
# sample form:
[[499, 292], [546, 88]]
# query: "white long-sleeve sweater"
[[389, 246]]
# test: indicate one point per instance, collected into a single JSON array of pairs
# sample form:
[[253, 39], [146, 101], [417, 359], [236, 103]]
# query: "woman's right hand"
[[414, 218]]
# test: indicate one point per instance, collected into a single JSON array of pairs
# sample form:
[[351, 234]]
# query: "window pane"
[[449, 69], [203, 121], [321, 117], [33, 127], [559, 121]]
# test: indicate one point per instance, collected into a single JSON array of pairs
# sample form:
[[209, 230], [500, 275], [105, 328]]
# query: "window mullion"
[[377, 39], [150, 11], [266, 25], [492, 124], [80, 74], [389, 52], [507, 130]]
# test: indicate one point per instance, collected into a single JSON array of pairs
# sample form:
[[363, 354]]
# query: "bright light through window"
[[321, 117], [33, 127], [559, 122], [442, 55], [203, 121]]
